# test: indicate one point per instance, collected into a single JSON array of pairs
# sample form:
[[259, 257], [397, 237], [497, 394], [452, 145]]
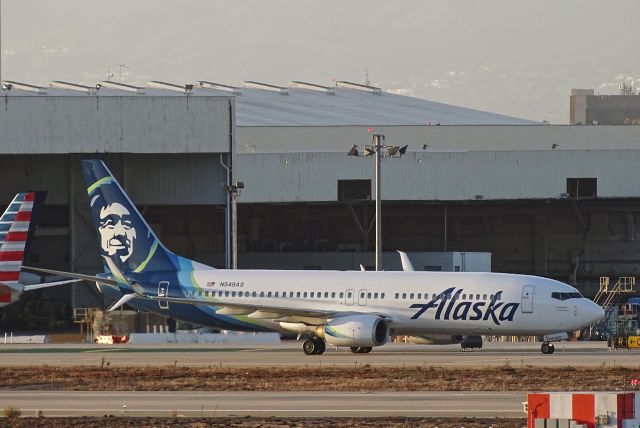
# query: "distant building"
[[586, 108]]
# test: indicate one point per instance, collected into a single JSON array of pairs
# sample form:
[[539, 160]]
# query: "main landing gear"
[[361, 349], [547, 348], [313, 346]]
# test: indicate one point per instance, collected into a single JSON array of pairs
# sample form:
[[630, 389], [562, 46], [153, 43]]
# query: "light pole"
[[0, 41], [234, 191], [379, 149], [378, 141]]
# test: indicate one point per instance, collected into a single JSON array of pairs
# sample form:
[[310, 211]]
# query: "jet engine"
[[436, 339], [356, 331]]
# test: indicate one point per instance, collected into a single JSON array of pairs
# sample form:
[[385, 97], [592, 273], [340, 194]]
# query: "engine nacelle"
[[356, 330], [436, 339]]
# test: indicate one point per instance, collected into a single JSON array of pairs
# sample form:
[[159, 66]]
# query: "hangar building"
[[558, 201]]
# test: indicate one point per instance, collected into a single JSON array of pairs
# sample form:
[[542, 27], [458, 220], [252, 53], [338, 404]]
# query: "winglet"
[[406, 263]]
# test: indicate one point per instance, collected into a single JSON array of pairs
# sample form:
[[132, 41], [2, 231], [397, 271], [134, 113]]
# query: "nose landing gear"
[[547, 348]]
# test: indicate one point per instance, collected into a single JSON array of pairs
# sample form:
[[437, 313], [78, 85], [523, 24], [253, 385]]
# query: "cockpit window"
[[565, 296]]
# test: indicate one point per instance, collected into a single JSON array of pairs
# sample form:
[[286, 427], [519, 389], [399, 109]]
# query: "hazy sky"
[[517, 57]]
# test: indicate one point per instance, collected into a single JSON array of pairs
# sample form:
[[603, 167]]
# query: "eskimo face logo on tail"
[[448, 307], [117, 234]]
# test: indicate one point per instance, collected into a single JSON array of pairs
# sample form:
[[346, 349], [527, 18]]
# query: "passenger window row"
[[434, 296], [277, 294]]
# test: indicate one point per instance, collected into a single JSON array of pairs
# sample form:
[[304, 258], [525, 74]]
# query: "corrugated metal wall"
[[179, 179], [315, 139], [455, 176], [128, 124]]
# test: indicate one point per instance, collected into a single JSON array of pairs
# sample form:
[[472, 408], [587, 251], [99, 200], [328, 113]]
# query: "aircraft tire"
[[367, 349], [356, 349], [309, 347], [320, 346], [552, 348], [547, 348]]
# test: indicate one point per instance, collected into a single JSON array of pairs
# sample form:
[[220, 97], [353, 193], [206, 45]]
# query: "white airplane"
[[15, 231], [359, 310]]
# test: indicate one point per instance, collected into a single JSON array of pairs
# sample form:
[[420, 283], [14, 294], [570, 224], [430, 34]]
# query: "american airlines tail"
[[127, 243], [16, 231]]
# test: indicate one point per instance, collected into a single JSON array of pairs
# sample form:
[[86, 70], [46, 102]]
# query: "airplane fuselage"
[[353, 309], [412, 302]]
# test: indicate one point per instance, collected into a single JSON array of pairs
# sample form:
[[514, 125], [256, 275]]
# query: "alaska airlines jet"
[[359, 310], [16, 231]]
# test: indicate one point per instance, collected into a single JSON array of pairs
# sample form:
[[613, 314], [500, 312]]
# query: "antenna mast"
[[122, 66]]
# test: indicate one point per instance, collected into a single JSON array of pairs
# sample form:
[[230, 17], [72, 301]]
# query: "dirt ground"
[[365, 378], [250, 422]]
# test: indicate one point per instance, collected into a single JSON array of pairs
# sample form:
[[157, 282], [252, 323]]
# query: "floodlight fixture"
[[353, 151], [7, 86], [392, 150], [239, 185], [403, 150], [188, 87], [369, 150]]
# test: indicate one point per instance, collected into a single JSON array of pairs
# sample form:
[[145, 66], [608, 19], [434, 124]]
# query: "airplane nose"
[[596, 313]]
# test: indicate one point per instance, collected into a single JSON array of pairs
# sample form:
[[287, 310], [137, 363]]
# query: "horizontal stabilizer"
[[73, 275], [49, 284], [123, 300], [117, 274], [9, 288]]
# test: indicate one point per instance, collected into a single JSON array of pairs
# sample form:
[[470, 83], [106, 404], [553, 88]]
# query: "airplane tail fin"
[[125, 238], [16, 230]]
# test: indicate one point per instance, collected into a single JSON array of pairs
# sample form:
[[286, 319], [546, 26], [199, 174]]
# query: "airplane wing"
[[407, 266], [250, 308], [261, 311]]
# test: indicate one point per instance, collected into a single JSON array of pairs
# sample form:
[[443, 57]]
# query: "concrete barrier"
[[37, 338], [191, 337]]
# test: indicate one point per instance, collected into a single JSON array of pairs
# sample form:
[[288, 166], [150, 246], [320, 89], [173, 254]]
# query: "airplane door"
[[527, 299], [163, 291], [348, 297], [362, 297]]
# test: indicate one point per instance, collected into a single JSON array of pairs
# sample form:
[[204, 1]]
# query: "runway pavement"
[[472, 404], [289, 354]]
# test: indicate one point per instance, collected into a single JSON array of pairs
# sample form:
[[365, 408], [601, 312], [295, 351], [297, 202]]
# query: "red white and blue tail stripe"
[[14, 233]]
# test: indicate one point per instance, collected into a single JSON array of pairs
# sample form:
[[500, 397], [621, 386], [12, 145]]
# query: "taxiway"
[[585, 354]]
